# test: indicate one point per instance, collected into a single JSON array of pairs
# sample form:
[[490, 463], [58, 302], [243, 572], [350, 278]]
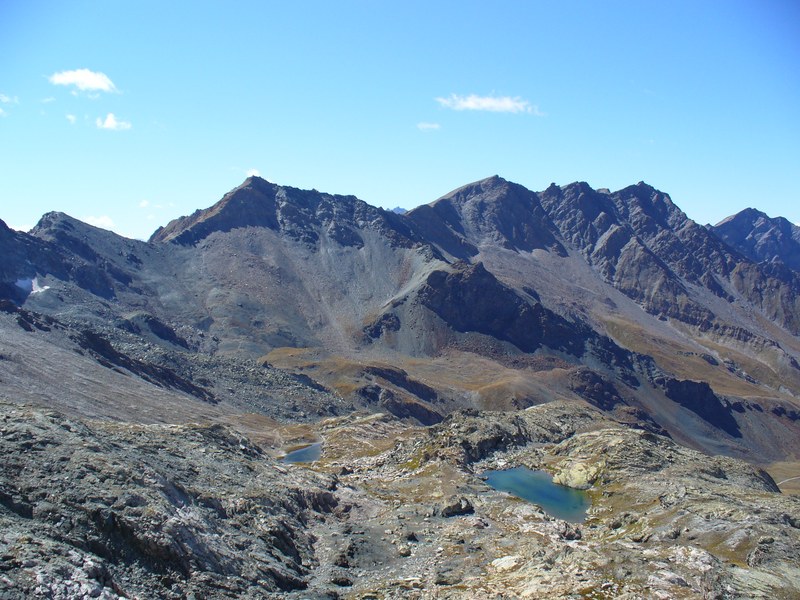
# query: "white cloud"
[[72, 119], [111, 122], [24, 228], [3, 113], [103, 221], [48, 100], [144, 203], [428, 126], [253, 173], [84, 80], [490, 104]]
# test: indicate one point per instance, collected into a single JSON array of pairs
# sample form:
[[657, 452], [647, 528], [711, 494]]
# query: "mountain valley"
[[150, 389]]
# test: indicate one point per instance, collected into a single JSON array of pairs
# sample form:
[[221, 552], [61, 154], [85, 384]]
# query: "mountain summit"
[[299, 214]]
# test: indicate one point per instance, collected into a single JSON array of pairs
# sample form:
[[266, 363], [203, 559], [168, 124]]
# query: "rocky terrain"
[[107, 510], [149, 389], [110, 510]]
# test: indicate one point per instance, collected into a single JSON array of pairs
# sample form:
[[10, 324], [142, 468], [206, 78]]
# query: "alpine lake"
[[538, 488], [305, 454]]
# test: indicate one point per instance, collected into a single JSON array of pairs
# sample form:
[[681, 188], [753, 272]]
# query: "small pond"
[[306, 454], [537, 487]]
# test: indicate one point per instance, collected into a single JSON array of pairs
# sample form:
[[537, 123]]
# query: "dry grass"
[[683, 361], [479, 380], [785, 470]]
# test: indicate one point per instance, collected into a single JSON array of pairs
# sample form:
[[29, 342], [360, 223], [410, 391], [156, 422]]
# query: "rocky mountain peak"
[[54, 219], [761, 238], [5, 230], [490, 189], [82, 238], [307, 216], [748, 215], [648, 207], [489, 211], [251, 203]]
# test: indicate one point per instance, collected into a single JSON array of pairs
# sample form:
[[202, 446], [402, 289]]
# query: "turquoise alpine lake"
[[537, 487], [306, 454]]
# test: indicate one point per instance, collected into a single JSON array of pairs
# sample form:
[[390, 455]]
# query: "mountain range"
[[695, 327], [278, 305]]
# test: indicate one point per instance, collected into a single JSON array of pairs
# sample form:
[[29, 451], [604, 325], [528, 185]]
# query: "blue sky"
[[130, 113]]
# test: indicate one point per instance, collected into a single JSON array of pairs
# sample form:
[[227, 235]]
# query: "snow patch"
[[31, 285], [36, 288]]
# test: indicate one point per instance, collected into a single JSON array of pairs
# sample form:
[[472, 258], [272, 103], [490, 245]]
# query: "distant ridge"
[[762, 238]]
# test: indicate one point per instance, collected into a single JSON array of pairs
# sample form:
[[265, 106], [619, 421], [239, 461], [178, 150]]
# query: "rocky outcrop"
[[116, 510], [469, 298], [142, 323], [102, 350], [470, 436], [408, 408], [698, 397], [595, 389], [401, 379], [456, 507]]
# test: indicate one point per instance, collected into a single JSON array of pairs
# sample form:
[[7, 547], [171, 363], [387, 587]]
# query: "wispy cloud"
[[505, 104], [103, 221], [428, 126], [111, 122], [7, 100], [72, 119], [253, 173], [84, 79], [148, 204]]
